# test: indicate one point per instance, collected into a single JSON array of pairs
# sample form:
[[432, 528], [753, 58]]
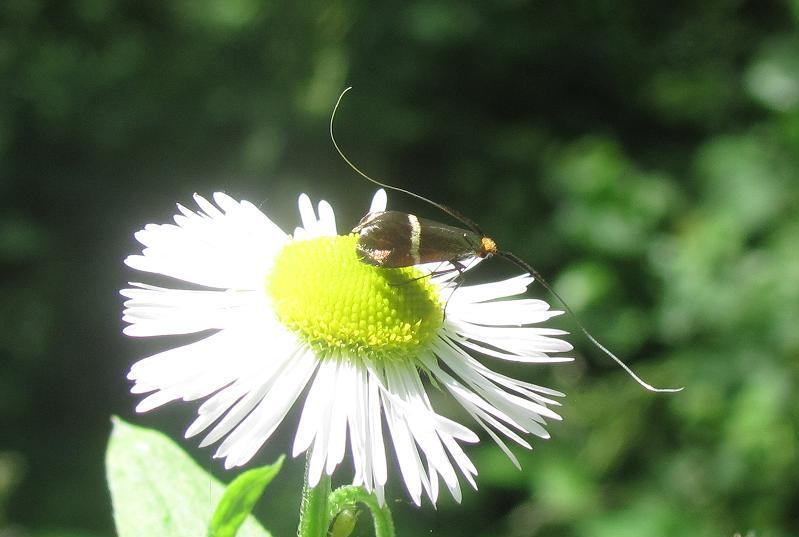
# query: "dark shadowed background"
[[643, 155]]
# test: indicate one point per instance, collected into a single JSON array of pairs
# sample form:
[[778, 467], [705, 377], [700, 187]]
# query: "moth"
[[393, 239]]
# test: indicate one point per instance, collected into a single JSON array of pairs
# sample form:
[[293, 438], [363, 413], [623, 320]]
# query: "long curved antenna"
[[525, 266], [452, 212], [507, 255]]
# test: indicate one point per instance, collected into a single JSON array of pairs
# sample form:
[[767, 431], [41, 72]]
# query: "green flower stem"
[[314, 518], [346, 497]]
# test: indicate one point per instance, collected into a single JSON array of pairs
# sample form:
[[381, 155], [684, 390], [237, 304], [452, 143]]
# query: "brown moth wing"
[[440, 242], [393, 239]]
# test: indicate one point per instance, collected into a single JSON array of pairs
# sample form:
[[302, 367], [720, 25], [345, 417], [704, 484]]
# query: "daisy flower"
[[281, 315]]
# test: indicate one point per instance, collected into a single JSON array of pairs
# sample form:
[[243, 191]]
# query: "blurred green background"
[[644, 155]]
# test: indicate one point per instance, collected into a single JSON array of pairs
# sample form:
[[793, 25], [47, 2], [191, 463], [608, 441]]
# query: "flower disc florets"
[[337, 304]]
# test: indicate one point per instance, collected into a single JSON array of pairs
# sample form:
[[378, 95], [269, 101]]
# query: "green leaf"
[[157, 489], [240, 497]]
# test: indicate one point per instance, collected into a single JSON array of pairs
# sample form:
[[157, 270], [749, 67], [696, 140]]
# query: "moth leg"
[[458, 280], [456, 267]]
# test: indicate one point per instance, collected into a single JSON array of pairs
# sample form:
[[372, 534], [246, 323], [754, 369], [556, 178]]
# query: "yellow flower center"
[[337, 304]]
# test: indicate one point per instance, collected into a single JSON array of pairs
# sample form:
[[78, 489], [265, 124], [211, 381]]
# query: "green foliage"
[[239, 499], [157, 489]]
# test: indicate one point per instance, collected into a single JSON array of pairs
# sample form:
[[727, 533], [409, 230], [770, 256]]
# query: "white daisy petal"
[[307, 214], [376, 444], [421, 426], [263, 225], [464, 463], [530, 356], [464, 366], [490, 291], [356, 416], [338, 422], [518, 340], [406, 452], [500, 443], [504, 313], [300, 234], [156, 311], [379, 202], [315, 403], [326, 378], [380, 492], [327, 219], [433, 491], [207, 207], [174, 373], [212, 409], [258, 383], [240, 446], [230, 250]]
